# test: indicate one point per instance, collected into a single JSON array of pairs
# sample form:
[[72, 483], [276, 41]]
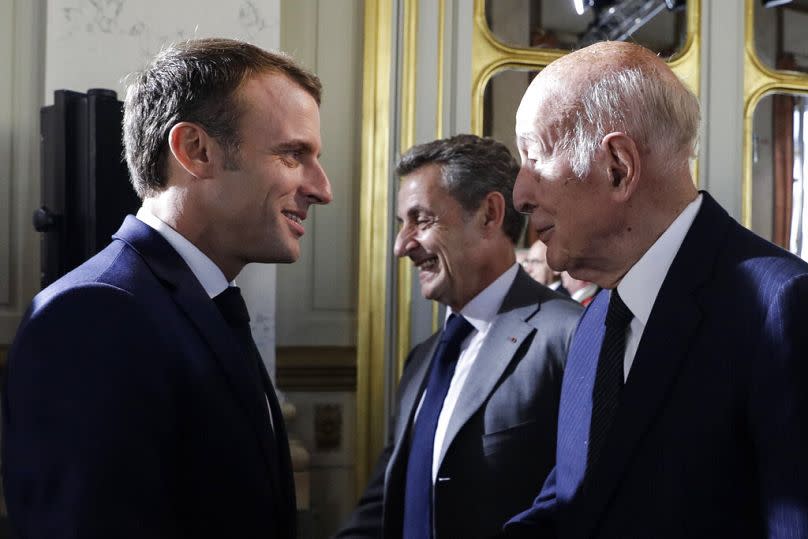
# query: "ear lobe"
[[192, 148]]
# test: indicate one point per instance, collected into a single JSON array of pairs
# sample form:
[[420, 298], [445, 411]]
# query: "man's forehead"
[[422, 188], [539, 107]]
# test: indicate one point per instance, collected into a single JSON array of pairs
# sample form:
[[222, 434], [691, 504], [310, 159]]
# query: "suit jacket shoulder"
[[120, 408]]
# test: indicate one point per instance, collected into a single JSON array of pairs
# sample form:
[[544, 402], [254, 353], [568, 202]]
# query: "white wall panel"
[[317, 294]]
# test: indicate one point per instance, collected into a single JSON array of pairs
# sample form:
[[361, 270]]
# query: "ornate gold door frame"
[[758, 81]]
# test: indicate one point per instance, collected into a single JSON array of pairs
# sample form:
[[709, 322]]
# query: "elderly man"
[[137, 404], [474, 430], [685, 399]]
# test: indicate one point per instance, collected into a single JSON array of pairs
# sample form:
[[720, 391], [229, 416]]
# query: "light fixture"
[[774, 3]]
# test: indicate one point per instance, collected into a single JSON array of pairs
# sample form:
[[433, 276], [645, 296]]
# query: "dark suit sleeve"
[[366, 519], [539, 520], [779, 412], [87, 421]]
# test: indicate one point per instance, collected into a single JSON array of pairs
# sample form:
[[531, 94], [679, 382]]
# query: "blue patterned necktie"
[[608, 376], [418, 490]]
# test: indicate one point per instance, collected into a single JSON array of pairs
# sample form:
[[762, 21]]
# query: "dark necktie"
[[233, 309], [418, 490], [609, 376]]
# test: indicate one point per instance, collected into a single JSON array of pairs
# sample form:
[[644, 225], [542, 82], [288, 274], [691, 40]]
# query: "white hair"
[[659, 115]]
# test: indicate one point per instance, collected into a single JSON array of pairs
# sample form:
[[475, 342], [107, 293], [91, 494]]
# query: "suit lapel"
[[506, 335], [192, 299], [410, 398], [508, 331], [674, 320], [411, 389]]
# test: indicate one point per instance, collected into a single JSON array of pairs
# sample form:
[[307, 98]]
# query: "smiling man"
[[685, 398], [474, 430], [136, 403]]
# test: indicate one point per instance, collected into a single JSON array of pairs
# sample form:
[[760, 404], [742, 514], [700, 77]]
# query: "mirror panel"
[[660, 25], [781, 39], [780, 171], [502, 96]]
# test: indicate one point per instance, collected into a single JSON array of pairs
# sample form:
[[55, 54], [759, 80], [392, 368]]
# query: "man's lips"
[[296, 218], [426, 264], [544, 232]]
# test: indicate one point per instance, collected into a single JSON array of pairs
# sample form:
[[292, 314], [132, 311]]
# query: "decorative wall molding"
[[316, 368]]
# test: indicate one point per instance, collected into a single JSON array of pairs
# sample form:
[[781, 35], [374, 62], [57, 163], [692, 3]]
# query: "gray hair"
[[659, 114], [471, 168]]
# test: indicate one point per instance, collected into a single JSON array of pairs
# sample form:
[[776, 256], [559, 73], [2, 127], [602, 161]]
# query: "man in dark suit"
[[474, 431], [136, 403], [685, 398]]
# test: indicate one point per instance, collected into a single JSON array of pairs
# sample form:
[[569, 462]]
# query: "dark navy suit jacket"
[[711, 435], [129, 413]]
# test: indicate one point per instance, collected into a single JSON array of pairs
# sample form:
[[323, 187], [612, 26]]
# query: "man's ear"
[[623, 163], [193, 149], [492, 211]]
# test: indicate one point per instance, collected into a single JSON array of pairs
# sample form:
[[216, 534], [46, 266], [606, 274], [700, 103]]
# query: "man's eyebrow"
[[415, 211], [525, 140], [294, 146], [411, 213]]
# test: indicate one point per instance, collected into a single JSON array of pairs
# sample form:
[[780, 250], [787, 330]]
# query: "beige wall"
[[317, 295]]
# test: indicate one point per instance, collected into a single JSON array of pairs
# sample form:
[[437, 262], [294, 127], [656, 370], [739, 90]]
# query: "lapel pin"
[[512, 339]]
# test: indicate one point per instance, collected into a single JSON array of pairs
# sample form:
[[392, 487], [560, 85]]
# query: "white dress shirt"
[[640, 286], [203, 268], [585, 293], [480, 312]]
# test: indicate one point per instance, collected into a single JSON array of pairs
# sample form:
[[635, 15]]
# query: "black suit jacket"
[[500, 441], [128, 414], [711, 435]]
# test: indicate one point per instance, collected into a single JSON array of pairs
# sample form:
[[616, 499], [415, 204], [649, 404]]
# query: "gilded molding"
[[373, 236], [759, 80], [489, 55]]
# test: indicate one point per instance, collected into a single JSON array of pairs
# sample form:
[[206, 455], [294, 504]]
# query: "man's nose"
[[404, 243], [318, 187]]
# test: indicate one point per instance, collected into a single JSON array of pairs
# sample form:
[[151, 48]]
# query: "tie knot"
[[232, 306], [457, 329], [618, 315]]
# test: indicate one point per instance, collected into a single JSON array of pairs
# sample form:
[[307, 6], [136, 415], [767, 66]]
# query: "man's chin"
[[281, 256], [428, 292]]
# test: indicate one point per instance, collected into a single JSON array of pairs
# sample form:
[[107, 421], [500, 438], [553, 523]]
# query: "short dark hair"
[[471, 167], [194, 81]]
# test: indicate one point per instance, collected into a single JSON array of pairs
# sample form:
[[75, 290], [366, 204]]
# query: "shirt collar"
[[209, 275], [640, 286], [586, 292], [482, 309]]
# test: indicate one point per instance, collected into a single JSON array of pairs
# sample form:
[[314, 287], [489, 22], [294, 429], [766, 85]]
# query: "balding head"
[[613, 87], [606, 135]]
